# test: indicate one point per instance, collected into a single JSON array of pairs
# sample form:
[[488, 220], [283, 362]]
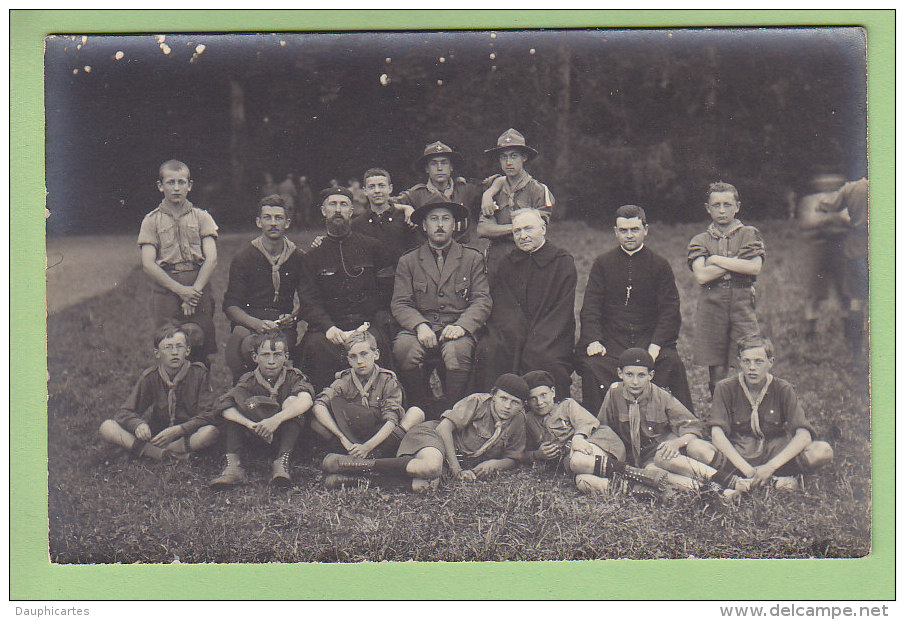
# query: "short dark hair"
[[375, 172], [173, 164], [274, 200], [630, 211], [720, 186], [754, 341], [271, 335], [168, 330]]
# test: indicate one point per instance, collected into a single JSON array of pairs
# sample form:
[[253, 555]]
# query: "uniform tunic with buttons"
[[662, 417], [394, 235]]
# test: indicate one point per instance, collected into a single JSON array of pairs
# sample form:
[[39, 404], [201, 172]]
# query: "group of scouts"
[[408, 351]]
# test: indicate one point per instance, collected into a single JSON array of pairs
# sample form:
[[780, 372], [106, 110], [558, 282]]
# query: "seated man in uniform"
[[263, 278], [441, 300], [338, 291], [760, 429]]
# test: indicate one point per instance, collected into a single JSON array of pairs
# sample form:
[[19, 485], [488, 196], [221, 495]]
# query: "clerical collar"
[[633, 252], [537, 249]]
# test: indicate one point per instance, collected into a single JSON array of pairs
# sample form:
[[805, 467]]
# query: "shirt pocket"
[[419, 288], [168, 234], [192, 230]]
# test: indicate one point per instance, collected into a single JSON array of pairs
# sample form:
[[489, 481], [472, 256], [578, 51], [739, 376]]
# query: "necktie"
[[440, 260], [171, 388]]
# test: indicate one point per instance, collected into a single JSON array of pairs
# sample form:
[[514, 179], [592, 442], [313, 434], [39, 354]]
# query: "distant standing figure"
[[823, 256], [726, 260], [852, 198], [178, 245], [306, 214], [359, 200], [287, 191], [269, 187]]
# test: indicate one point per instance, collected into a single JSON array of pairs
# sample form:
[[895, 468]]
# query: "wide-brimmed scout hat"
[[458, 210], [512, 139], [438, 148]]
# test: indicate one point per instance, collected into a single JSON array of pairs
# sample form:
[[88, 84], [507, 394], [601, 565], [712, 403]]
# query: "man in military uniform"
[[441, 299], [439, 162], [338, 289]]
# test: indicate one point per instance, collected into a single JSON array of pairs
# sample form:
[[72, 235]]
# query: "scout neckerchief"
[[722, 238], [364, 390], [755, 405], [275, 263], [275, 388], [171, 385], [497, 431], [634, 423], [185, 250], [447, 193]]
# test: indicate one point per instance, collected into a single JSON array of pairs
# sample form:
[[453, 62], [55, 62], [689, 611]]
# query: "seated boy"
[[363, 407], [178, 245], [726, 260], [758, 425], [167, 412], [266, 403], [658, 428], [591, 451], [487, 430]]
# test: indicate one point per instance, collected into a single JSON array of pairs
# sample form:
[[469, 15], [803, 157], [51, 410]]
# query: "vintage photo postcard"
[[452, 305]]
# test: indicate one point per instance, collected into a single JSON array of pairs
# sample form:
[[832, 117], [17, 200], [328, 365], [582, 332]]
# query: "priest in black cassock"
[[631, 301], [532, 326]]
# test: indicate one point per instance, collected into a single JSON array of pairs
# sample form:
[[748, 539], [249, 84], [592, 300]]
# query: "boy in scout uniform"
[[660, 434], [167, 413], [515, 189], [363, 407], [439, 162], [441, 299], [178, 244]]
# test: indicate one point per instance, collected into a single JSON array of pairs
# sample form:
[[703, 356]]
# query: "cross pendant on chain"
[[628, 293]]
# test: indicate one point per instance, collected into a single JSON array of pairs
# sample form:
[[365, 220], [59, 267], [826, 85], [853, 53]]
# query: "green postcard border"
[[33, 577]]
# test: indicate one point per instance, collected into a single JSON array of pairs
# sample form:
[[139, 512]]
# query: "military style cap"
[[512, 139], [438, 148], [636, 357], [458, 210], [336, 191]]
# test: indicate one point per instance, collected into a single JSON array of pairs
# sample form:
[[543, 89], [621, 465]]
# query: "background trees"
[[643, 116]]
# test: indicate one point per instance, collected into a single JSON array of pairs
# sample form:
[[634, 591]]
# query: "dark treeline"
[[643, 116]]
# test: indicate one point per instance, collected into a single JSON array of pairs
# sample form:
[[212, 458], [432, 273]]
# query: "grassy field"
[[107, 507]]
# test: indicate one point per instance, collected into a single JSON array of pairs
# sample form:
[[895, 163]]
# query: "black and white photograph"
[[457, 296]]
